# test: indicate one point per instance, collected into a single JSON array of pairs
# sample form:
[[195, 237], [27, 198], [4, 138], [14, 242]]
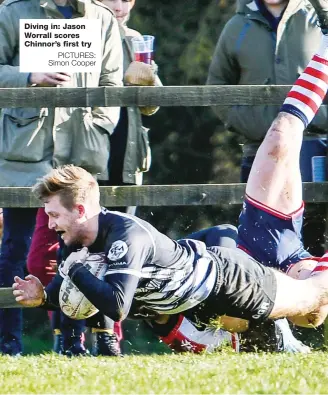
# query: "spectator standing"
[[130, 150], [33, 140]]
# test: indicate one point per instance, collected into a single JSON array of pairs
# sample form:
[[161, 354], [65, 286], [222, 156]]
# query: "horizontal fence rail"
[[7, 299], [164, 195], [164, 96]]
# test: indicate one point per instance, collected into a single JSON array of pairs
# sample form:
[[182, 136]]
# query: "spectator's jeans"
[[18, 227]]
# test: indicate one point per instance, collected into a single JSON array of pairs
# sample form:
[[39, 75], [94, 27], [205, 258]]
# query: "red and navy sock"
[[309, 90]]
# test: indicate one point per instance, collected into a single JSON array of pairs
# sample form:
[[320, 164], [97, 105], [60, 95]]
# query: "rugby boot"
[[73, 346], [181, 335], [271, 336], [73, 336], [105, 344], [286, 341], [11, 346]]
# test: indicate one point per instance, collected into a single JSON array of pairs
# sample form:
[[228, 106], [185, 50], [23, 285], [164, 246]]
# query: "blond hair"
[[72, 184]]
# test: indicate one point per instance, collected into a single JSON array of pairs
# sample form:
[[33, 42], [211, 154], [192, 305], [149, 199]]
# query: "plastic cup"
[[143, 48]]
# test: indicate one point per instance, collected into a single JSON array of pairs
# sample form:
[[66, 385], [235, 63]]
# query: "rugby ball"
[[72, 301]]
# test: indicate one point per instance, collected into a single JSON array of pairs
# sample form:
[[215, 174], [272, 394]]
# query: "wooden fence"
[[168, 96], [164, 96]]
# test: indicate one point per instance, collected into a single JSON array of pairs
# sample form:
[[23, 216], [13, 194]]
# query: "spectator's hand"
[[52, 268], [49, 79], [139, 73], [28, 292], [53, 264], [80, 256]]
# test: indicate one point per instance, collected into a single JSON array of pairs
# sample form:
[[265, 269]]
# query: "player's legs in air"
[[275, 189], [272, 215]]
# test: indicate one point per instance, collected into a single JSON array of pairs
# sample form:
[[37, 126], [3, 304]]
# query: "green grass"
[[166, 374]]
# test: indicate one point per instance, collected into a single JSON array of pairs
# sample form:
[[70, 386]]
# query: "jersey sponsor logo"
[[119, 263], [117, 251]]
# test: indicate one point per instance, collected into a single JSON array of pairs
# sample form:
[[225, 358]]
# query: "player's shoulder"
[[122, 226], [116, 220]]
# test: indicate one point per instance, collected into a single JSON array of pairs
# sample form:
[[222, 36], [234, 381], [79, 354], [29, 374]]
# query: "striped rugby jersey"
[[173, 275]]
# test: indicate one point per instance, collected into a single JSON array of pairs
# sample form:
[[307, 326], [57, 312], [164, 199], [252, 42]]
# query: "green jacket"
[[248, 52], [34, 140]]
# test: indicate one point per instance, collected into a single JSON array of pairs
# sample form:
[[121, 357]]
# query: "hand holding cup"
[[139, 74]]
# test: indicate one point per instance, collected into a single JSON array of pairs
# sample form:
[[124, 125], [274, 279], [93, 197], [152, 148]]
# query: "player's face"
[[121, 8], [66, 222]]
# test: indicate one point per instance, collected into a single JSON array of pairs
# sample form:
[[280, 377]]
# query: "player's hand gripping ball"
[[72, 301]]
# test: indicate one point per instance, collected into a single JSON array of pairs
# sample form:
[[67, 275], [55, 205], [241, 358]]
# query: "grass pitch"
[[224, 372]]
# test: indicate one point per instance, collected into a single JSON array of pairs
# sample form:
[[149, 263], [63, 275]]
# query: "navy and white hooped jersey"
[[173, 275], [270, 237]]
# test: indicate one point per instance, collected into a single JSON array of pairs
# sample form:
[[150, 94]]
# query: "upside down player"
[[171, 277], [273, 207]]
